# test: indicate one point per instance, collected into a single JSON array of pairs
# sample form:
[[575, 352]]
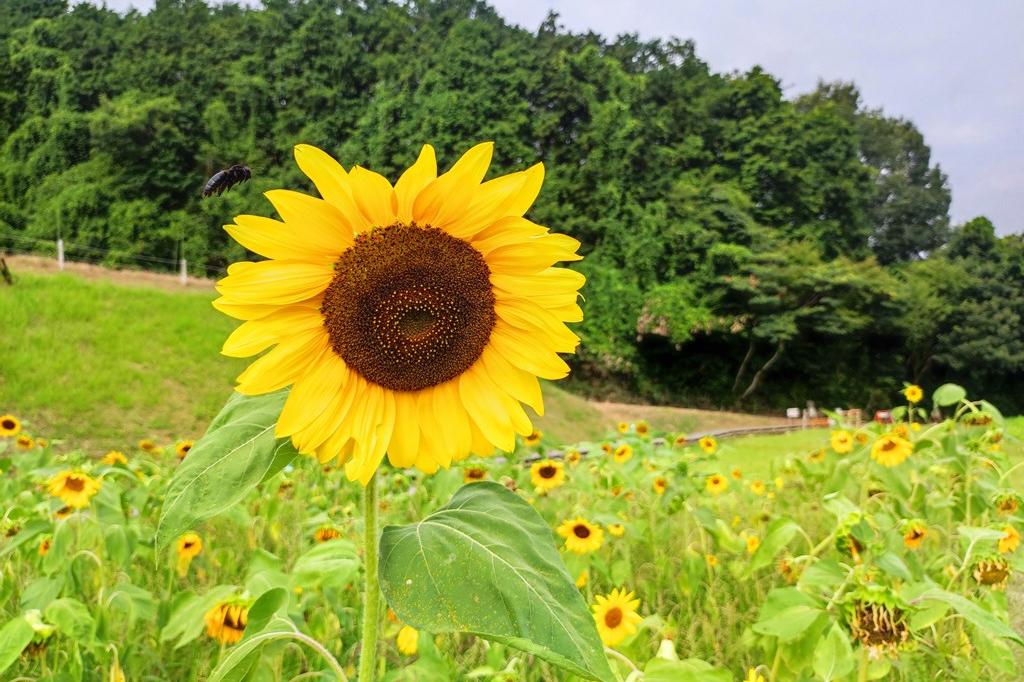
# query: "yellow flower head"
[[818, 456], [147, 445], [9, 426], [736, 474], [24, 443], [473, 474], [1007, 503], [616, 616], [533, 438], [42, 442], [226, 621], [607, 448], [890, 450], [582, 579], [623, 453], [914, 533], [547, 474], [326, 533], [1010, 541], [408, 640], [581, 536], [841, 441], [114, 457], [708, 444], [182, 448], [717, 484], [573, 457], [780, 483], [642, 428], [74, 488], [753, 676], [660, 485], [616, 530], [393, 309], [753, 542], [623, 427], [711, 560], [680, 440], [913, 393], [189, 545], [992, 571], [63, 513], [902, 431], [757, 487], [44, 546]]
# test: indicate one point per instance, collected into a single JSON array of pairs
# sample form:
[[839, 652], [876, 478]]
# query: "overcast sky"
[[955, 68]]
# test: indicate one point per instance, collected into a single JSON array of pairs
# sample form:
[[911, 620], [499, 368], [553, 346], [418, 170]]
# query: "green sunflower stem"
[[371, 591]]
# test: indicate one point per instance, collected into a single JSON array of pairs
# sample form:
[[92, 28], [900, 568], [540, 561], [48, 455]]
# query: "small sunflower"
[[818, 456], [753, 542], [42, 442], [396, 309], [473, 474], [1010, 541], [616, 616], [642, 428], [660, 485], [680, 440], [147, 445], [547, 474], [708, 444], [408, 640], [226, 621], [608, 448], [780, 483], [114, 457], [74, 488], [753, 676], [913, 393], [63, 513], [24, 443], [890, 450], [44, 546], [788, 570], [717, 484], [326, 533], [189, 546], [9, 426], [616, 530], [914, 533], [582, 579], [533, 439], [581, 536], [757, 487], [861, 437], [736, 474], [1007, 503], [573, 457], [623, 427], [711, 560], [902, 430], [623, 453], [182, 448], [841, 441]]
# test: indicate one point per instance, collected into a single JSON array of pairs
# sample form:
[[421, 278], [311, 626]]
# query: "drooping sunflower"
[[914, 533], [326, 533], [913, 393], [533, 439], [623, 453], [114, 457], [993, 571], [473, 474], [24, 442], [74, 488], [890, 450], [182, 448], [660, 485], [581, 536], [410, 320], [1007, 503], [616, 616], [226, 621], [189, 546], [547, 474], [9, 426], [708, 444], [841, 441], [716, 484], [1010, 540], [408, 640]]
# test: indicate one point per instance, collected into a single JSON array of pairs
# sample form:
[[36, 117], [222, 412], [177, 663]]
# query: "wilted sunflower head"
[[226, 621], [74, 488], [547, 474], [877, 620], [473, 474], [9, 426], [992, 571], [1007, 503], [581, 536], [182, 448], [411, 319], [616, 617]]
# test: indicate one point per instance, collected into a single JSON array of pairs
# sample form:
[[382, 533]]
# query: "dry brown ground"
[[161, 280], [669, 418]]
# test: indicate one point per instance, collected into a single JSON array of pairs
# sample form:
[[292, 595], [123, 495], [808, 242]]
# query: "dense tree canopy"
[[741, 248]]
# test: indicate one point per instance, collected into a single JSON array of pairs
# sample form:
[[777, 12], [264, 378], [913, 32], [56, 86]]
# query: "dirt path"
[[664, 416], [161, 280]]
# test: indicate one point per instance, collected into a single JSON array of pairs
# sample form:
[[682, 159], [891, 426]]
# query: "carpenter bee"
[[226, 179]]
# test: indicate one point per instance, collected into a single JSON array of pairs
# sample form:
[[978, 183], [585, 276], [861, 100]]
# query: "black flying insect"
[[226, 179]]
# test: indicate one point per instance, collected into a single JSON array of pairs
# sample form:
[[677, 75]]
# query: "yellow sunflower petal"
[[329, 425], [510, 230], [312, 393], [519, 348], [244, 311], [532, 256], [496, 199], [520, 384], [282, 365], [309, 215], [402, 451], [374, 196], [276, 282], [255, 336], [332, 182], [446, 198], [412, 182], [274, 239], [534, 320], [486, 410]]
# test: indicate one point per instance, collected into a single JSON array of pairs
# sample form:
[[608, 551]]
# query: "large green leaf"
[[833, 656], [789, 623], [973, 613], [779, 533], [948, 394], [14, 637], [333, 562], [237, 452], [690, 670], [486, 564]]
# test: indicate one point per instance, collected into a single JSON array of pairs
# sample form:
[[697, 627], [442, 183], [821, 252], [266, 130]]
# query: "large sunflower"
[[410, 320]]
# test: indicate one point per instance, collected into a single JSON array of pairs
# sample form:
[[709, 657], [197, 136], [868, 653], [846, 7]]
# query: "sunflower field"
[[887, 553]]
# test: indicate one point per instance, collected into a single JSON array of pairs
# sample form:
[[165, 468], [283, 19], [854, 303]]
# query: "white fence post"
[[60, 254], [184, 272]]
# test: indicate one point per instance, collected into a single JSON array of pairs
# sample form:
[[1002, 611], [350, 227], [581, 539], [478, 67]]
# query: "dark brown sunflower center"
[[8, 424], [74, 484], [188, 544], [476, 473], [581, 531], [547, 471], [409, 307], [888, 444], [186, 448], [613, 617]]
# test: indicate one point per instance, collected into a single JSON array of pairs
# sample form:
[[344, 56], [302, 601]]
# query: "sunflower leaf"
[[229, 461], [486, 564]]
